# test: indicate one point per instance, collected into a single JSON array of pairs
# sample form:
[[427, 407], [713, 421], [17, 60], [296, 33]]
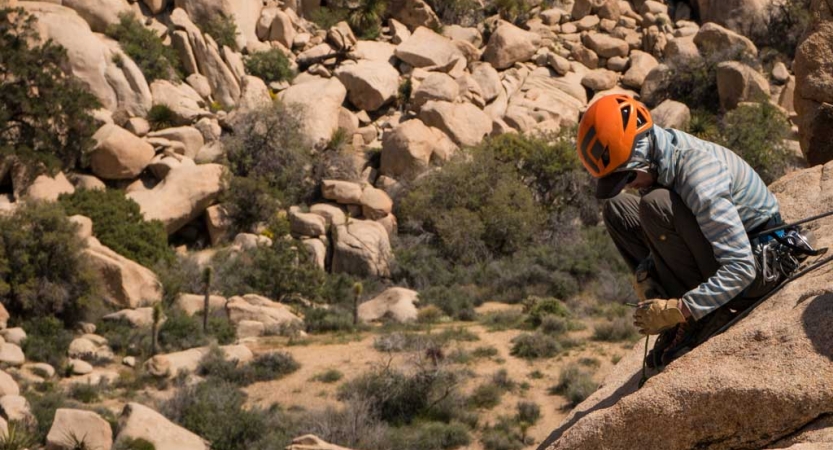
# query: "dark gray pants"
[[661, 224]]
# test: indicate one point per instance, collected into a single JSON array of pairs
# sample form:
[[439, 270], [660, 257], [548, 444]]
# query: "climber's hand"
[[656, 316]]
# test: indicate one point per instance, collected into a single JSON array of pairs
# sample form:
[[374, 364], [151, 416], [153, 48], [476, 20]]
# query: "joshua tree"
[[357, 293], [206, 279], [157, 318]]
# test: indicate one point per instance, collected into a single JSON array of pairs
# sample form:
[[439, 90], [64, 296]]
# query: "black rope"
[[788, 225]]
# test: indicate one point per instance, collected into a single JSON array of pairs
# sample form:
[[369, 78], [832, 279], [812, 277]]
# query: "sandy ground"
[[355, 354]]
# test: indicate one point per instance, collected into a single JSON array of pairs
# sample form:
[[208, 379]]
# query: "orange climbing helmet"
[[608, 133]]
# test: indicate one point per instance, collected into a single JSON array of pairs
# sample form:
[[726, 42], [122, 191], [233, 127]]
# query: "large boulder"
[[192, 304], [376, 204], [362, 247], [124, 283], [414, 13], [396, 303], [320, 101], [73, 426], [118, 154], [742, 16], [407, 149], [182, 196], [8, 386], [15, 408], [140, 422], [97, 61], [641, 65], [99, 14], [187, 361], [737, 82], [509, 45], [370, 84], [185, 103], [48, 189], [671, 114], [605, 45], [813, 95], [464, 123], [436, 86], [190, 137], [272, 315], [728, 393], [712, 38], [343, 192], [312, 442], [427, 48]]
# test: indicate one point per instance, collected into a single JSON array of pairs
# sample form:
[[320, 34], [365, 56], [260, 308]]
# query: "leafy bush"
[[43, 407], [45, 119], [85, 393], [327, 17], [430, 314], [46, 340], [430, 436], [320, 320], [366, 20], [537, 308], [222, 28], [535, 345], [528, 412], [265, 367], [554, 325], [575, 383], [270, 65], [486, 396], [502, 320], [123, 339], [458, 12], [787, 22], [328, 376], [455, 301], [161, 117], [181, 332], [42, 270], [249, 202], [156, 60], [756, 133], [214, 409], [619, 329], [133, 444], [268, 144], [118, 223], [504, 435]]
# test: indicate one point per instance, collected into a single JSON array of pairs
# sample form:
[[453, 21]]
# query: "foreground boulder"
[[172, 364], [73, 426], [464, 123], [394, 303], [362, 248], [509, 45], [182, 196], [408, 148], [140, 422], [255, 308], [124, 282], [370, 84], [319, 101], [814, 94], [762, 380], [118, 154]]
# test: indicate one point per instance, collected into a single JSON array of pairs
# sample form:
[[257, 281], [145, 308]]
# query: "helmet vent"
[[640, 119], [626, 115]]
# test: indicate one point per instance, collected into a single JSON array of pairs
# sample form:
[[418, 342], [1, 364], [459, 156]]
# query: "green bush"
[[537, 308], [430, 436], [554, 325], [617, 330], [85, 393], [133, 444], [161, 117], [458, 12], [156, 60], [119, 224], [268, 144], [484, 352], [17, 437], [249, 202], [43, 271], [328, 376], [43, 407], [575, 383], [528, 412], [45, 119], [486, 396], [46, 340], [123, 339], [320, 320], [535, 345], [504, 435], [756, 133], [265, 367], [787, 23], [181, 332], [502, 320], [327, 17], [222, 28], [366, 20], [270, 65]]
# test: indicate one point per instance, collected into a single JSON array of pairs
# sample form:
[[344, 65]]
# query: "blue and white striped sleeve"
[[705, 185]]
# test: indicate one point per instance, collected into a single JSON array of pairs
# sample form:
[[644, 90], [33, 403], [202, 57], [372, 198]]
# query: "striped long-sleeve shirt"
[[726, 196]]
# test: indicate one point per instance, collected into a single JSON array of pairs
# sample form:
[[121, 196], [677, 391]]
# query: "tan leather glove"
[[644, 285], [656, 316]]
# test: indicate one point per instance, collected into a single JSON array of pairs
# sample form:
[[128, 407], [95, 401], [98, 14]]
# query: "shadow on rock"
[[818, 323]]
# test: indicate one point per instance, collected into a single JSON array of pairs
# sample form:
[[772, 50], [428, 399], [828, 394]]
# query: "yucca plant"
[[366, 20]]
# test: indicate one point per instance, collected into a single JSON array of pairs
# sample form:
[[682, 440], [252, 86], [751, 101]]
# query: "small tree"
[[158, 314], [357, 293], [206, 277], [145, 48], [45, 116]]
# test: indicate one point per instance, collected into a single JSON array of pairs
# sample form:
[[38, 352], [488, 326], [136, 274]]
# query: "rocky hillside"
[[194, 190]]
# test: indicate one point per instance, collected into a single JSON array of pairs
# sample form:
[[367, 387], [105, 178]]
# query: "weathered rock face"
[[436, 86], [140, 422], [737, 82], [136, 318], [510, 44], [124, 282], [397, 303], [182, 196], [171, 364], [765, 378], [48, 189], [427, 48], [370, 84], [118, 154], [407, 149], [99, 14], [362, 247], [671, 114], [641, 64], [260, 309], [464, 123], [813, 99], [312, 442], [74, 424], [320, 101], [414, 13], [91, 58], [741, 16], [712, 37]]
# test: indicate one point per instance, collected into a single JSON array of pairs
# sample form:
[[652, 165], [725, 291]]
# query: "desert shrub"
[[133, 444], [554, 325], [222, 28], [617, 330], [42, 269], [214, 409], [249, 202], [502, 320], [326, 17], [320, 320], [270, 65], [46, 340], [430, 436], [430, 314], [399, 398], [503, 435], [118, 223], [156, 60], [486, 396], [537, 308], [123, 339], [85, 392], [455, 301], [787, 22], [501, 379], [355, 425], [178, 275], [366, 20], [528, 412], [482, 195], [264, 367], [328, 376], [535, 345], [160, 117], [756, 133], [459, 12], [592, 363], [513, 10], [181, 332], [45, 119], [575, 383], [268, 144], [43, 407], [484, 352], [17, 437]]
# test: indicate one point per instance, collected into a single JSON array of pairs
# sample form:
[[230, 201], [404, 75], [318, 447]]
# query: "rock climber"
[[686, 236]]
